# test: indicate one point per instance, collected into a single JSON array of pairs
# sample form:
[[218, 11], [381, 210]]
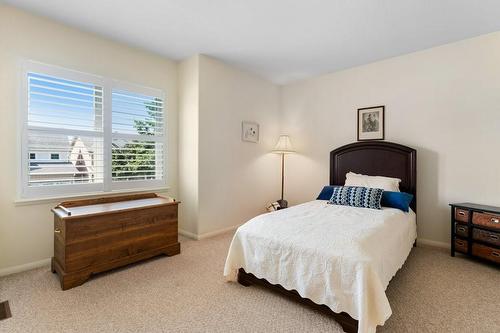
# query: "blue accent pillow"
[[399, 200], [326, 193], [355, 196]]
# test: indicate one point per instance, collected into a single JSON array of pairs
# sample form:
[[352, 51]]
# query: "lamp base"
[[283, 203]]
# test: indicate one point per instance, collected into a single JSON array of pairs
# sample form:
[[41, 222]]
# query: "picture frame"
[[250, 131], [371, 123]]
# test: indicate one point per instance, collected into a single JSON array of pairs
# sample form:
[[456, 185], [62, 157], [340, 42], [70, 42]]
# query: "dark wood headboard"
[[376, 158]]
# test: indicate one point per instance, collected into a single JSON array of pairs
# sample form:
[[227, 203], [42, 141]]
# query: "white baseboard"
[[24, 267], [187, 234], [218, 232], [432, 243], [207, 234]]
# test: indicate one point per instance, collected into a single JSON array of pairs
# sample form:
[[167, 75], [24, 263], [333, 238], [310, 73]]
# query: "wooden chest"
[[475, 230], [95, 235]]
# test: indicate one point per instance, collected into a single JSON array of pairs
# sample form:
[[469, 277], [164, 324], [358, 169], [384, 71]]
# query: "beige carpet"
[[187, 293]]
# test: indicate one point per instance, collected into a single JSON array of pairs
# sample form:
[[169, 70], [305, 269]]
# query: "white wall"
[[224, 181], [26, 231], [189, 103], [444, 101], [236, 179]]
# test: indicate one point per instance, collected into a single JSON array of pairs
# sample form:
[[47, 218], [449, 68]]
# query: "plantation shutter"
[[65, 119], [137, 138]]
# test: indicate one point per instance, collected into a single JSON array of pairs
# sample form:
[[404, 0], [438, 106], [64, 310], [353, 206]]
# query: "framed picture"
[[371, 123], [250, 131]]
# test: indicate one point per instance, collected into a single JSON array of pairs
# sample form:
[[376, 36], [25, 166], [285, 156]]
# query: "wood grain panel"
[[103, 200], [167, 229], [116, 251], [60, 252], [82, 229], [109, 251]]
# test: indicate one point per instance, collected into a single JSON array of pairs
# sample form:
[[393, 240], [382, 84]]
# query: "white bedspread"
[[340, 256]]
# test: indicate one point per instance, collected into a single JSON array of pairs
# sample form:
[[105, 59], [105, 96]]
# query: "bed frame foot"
[[242, 278]]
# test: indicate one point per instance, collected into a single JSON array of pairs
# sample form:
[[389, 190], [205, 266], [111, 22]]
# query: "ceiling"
[[282, 40]]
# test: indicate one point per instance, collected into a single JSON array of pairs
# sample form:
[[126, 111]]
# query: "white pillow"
[[385, 183]]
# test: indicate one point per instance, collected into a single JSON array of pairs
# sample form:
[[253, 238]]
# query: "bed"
[[338, 259]]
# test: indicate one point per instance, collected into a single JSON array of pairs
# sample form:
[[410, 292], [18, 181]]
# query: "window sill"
[[36, 201]]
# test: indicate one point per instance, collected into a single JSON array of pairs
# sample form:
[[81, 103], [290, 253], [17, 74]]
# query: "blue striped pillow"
[[365, 197]]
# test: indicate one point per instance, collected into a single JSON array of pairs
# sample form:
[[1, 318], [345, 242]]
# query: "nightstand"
[[475, 231]]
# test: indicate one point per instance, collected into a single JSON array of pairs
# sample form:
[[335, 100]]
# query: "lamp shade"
[[284, 145]]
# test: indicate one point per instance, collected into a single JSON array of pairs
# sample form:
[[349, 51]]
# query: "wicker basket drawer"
[[486, 236], [461, 245], [486, 252], [461, 230], [462, 215], [486, 220]]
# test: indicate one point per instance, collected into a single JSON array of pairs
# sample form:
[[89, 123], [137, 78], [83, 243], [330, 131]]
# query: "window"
[[85, 133]]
